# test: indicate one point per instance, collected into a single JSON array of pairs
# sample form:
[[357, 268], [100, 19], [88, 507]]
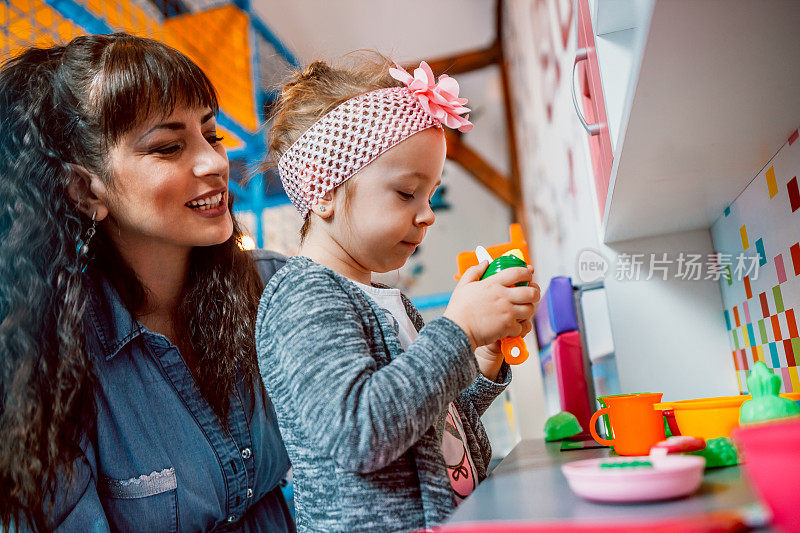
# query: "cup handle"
[[593, 428], [669, 414]]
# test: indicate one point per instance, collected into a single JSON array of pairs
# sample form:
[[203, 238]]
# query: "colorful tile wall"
[[760, 308]]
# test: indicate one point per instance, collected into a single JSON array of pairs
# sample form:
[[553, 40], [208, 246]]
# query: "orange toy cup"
[[637, 426], [468, 258]]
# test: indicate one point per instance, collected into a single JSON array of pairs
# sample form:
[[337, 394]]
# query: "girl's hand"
[[491, 309], [490, 357]]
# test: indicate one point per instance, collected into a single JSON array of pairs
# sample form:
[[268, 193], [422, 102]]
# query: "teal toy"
[[719, 452], [766, 404], [561, 426], [627, 464]]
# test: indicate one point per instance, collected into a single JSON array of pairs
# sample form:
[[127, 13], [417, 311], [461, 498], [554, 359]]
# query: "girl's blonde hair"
[[314, 91]]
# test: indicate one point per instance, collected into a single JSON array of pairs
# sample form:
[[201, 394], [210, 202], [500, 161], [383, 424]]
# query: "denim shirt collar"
[[112, 322]]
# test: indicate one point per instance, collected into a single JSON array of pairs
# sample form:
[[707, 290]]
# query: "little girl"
[[380, 415]]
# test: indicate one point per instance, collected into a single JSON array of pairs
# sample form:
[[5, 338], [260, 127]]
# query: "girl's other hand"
[[490, 357], [491, 309]]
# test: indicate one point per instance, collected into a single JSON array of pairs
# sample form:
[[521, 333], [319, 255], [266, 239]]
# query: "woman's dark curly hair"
[[68, 105]]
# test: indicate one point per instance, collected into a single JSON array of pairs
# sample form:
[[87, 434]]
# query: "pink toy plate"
[[669, 476]]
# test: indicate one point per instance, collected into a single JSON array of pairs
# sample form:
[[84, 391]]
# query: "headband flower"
[[440, 99]]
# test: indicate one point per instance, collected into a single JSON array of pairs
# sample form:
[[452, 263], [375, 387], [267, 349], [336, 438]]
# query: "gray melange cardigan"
[[361, 418]]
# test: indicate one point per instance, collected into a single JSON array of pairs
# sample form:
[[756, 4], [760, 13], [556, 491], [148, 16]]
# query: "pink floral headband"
[[358, 130]]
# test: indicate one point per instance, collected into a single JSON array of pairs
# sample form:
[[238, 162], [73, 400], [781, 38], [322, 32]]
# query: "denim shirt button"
[[232, 518], [249, 493], [246, 453]]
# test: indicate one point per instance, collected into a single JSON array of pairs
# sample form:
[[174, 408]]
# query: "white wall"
[[408, 30], [670, 335]]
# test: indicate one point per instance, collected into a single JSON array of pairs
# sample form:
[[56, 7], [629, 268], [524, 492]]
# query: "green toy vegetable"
[[560, 426], [766, 404], [719, 452]]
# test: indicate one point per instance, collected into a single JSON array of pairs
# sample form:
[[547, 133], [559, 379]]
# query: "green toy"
[[514, 350], [561, 426], [627, 464], [766, 404], [507, 260], [719, 452]]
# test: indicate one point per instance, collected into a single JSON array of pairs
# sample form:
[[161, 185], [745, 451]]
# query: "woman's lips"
[[221, 190], [212, 212]]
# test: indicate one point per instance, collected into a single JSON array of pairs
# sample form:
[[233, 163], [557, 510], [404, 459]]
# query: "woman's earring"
[[83, 244], [322, 209]]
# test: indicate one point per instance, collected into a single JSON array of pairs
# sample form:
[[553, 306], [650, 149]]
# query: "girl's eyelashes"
[[410, 196], [214, 139]]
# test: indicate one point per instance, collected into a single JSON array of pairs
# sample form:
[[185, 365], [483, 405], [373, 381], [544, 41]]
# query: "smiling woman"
[[170, 175], [131, 398]]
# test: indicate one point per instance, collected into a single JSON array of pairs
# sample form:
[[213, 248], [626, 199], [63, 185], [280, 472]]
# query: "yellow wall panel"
[[96, 7], [22, 6], [225, 60], [197, 36], [127, 14], [45, 16], [229, 140], [66, 30], [44, 40], [140, 20], [21, 29], [114, 15]]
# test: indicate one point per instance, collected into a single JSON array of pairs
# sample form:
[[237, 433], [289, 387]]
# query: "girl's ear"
[[88, 192], [324, 207]]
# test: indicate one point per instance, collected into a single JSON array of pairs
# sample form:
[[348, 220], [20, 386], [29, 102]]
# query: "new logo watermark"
[[631, 266], [592, 266]]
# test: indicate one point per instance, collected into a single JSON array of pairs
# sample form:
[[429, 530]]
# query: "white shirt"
[[460, 468], [391, 302]]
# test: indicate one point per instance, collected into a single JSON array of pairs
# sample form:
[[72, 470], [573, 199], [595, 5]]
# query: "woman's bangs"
[[144, 77]]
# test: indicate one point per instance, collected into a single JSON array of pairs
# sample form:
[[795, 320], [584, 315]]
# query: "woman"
[[131, 398]]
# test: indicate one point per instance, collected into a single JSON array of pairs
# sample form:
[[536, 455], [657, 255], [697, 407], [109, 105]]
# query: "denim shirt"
[[159, 460]]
